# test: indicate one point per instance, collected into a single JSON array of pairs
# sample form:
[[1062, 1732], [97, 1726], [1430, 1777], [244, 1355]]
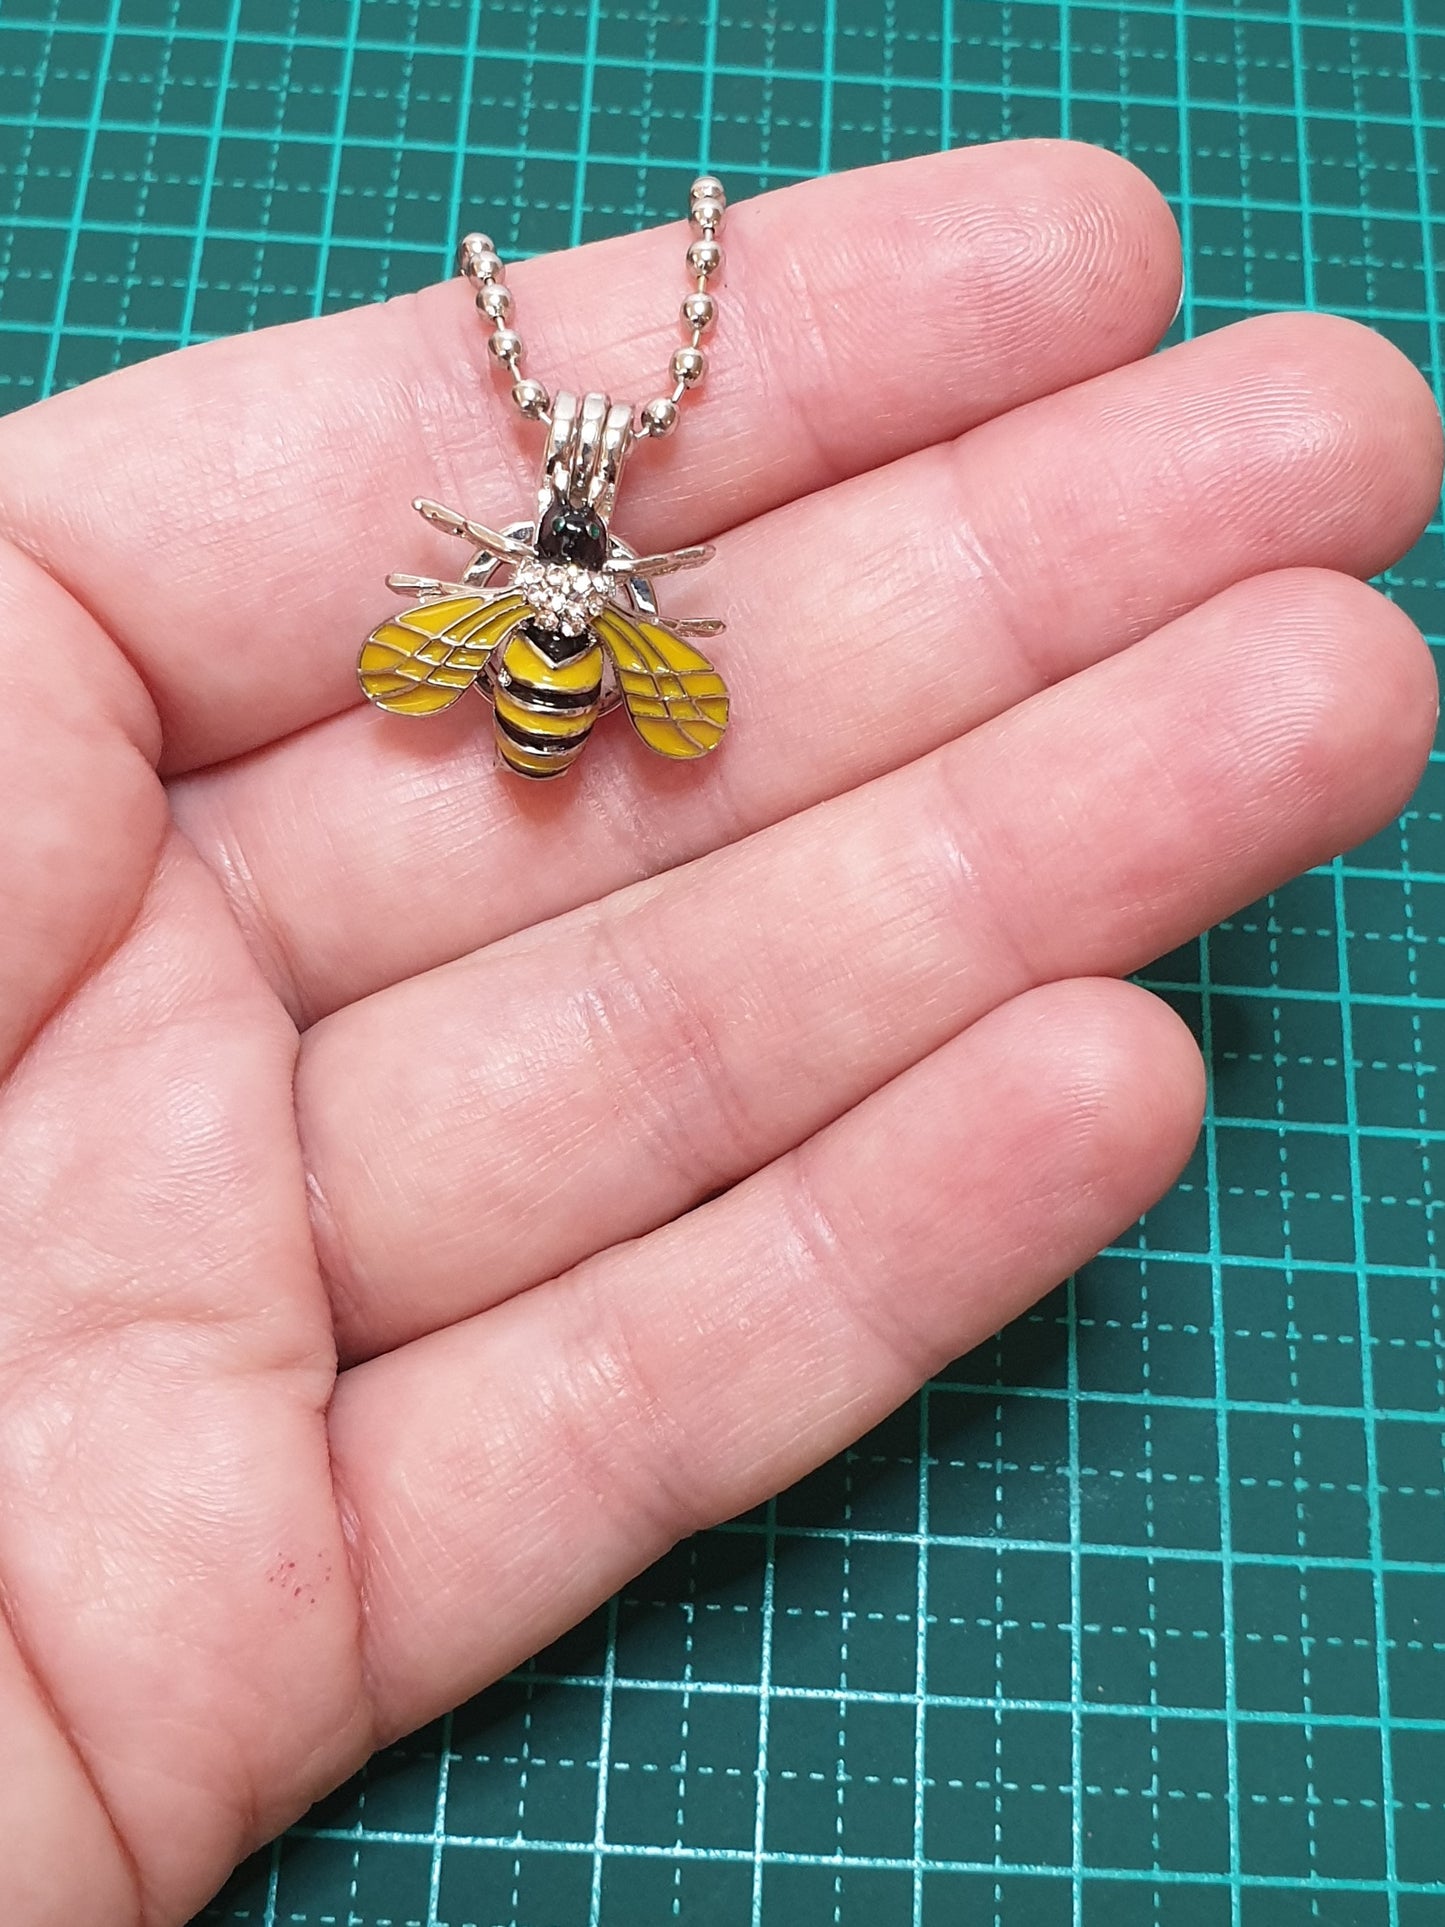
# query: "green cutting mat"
[[1138, 1614]]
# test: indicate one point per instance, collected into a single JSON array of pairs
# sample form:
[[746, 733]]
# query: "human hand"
[[332, 1041]]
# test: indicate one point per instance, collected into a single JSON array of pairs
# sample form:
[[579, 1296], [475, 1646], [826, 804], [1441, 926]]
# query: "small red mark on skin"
[[286, 1572], [282, 1573]]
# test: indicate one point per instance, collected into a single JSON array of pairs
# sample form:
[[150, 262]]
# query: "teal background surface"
[[1137, 1615]]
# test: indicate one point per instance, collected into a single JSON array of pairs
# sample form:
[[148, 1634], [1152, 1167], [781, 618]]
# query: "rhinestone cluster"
[[562, 595]]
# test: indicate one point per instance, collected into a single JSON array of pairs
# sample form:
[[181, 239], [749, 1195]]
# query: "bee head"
[[572, 535]]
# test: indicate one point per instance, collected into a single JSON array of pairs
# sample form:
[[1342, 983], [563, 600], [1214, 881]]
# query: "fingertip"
[[1028, 265], [1352, 699], [1127, 237], [1030, 1140], [1080, 234], [1364, 416], [1122, 1089]]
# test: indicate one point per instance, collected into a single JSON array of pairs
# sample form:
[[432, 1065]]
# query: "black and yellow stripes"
[[544, 709]]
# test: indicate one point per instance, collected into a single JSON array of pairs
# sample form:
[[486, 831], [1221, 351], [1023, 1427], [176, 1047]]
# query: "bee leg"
[[668, 564], [495, 544], [424, 585]]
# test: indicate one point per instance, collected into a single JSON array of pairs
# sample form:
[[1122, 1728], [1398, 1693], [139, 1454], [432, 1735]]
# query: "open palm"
[[324, 1043]]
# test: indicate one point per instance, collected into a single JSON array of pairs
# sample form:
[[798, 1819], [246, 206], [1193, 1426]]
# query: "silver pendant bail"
[[587, 443]]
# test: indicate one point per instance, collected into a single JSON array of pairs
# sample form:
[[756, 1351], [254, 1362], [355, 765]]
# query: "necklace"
[[554, 620]]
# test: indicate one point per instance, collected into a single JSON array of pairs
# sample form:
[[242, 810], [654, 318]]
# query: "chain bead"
[[689, 365], [699, 311], [533, 400], [707, 209], [478, 260], [469, 248], [705, 257], [660, 416]]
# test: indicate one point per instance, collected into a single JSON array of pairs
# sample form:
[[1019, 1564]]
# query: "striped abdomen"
[[544, 709]]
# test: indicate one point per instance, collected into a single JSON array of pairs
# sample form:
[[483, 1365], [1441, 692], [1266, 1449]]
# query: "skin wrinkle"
[[351, 1285], [638, 1467], [655, 1038], [832, 1266], [487, 1458], [1083, 1102], [827, 439], [960, 873], [974, 567], [354, 1547], [88, 967], [145, 731], [110, 721], [608, 793], [224, 853], [336, 1278], [1269, 485], [1070, 243]]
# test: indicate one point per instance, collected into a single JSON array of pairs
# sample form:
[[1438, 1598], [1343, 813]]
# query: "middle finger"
[[368, 848]]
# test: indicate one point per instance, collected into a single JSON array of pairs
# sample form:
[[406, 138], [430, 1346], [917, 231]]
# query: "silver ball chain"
[[479, 261]]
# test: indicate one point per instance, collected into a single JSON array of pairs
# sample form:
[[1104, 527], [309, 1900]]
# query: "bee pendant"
[[569, 634]]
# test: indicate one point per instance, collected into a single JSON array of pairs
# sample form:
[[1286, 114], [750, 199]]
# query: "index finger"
[[229, 511]]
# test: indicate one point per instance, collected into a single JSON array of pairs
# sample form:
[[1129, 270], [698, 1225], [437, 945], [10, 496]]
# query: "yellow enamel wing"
[[677, 701], [421, 661], [552, 650]]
